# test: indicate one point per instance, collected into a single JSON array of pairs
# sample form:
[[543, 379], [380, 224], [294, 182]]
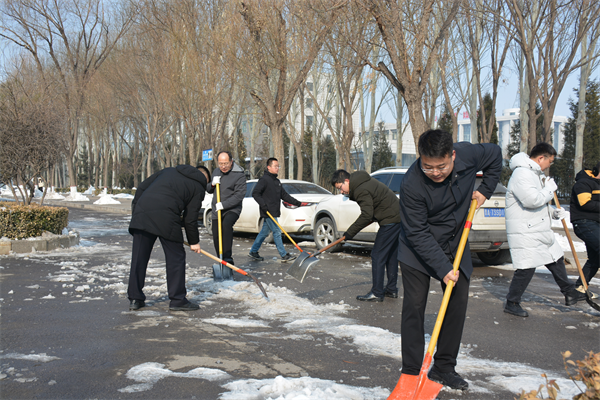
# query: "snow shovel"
[[419, 387], [286, 234], [236, 269], [220, 274], [305, 260], [581, 275]]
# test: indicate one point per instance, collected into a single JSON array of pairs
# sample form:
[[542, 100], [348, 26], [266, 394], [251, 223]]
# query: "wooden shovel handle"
[[566, 228], [330, 245]]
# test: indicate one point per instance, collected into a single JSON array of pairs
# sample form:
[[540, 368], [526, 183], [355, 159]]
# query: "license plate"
[[493, 212]]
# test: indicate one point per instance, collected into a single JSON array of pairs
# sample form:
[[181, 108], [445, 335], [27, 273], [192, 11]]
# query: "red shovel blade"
[[417, 387]]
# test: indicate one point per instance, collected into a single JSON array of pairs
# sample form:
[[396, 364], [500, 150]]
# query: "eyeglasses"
[[226, 164], [432, 170]]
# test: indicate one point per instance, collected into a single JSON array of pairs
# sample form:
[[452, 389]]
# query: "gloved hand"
[[348, 236], [559, 213], [550, 185], [216, 180], [219, 206], [304, 204]]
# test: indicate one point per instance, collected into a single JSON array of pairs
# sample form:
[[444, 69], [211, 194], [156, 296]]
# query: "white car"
[[293, 219], [487, 238]]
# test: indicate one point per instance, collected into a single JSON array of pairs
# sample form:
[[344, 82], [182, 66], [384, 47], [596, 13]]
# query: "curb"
[[42, 243]]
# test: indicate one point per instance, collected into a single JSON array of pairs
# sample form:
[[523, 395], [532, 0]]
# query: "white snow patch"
[[107, 200], [304, 388], [149, 373], [564, 243], [42, 357], [236, 323]]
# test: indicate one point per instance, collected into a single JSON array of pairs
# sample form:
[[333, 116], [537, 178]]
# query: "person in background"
[[163, 203], [435, 197], [585, 217], [377, 203], [268, 193], [232, 184], [529, 227]]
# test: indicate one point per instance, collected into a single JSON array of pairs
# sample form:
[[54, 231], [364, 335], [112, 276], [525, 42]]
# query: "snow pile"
[[75, 195], [304, 388], [106, 199], [52, 195], [564, 243], [123, 196], [150, 373], [43, 357], [90, 190]]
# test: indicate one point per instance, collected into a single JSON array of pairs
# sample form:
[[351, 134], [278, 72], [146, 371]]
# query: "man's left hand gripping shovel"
[[419, 387], [236, 269]]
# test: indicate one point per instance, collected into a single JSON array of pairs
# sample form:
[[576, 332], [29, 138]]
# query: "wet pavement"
[[67, 333]]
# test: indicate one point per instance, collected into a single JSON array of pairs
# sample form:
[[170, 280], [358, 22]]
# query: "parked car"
[[293, 219], [334, 216]]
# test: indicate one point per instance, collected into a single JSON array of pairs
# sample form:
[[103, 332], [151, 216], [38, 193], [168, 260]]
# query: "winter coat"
[[168, 200], [434, 214], [528, 216], [233, 190], [377, 202], [585, 197], [268, 193]]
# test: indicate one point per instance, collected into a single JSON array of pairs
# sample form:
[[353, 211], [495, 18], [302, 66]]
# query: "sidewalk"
[[123, 208]]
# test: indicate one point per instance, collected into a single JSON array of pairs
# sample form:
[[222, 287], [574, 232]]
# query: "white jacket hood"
[[524, 161]]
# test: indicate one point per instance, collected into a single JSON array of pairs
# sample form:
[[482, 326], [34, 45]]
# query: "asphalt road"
[[66, 332]]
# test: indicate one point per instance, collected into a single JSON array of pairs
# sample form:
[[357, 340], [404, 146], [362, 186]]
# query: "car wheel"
[[495, 257], [208, 221], [324, 234]]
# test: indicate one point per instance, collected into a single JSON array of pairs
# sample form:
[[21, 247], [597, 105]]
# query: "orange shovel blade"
[[416, 387]]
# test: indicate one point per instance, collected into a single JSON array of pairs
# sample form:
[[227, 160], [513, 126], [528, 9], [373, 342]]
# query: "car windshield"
[[500, 189], [304, 188]]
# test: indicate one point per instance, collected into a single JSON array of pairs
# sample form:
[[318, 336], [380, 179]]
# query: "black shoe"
[[392, 295], [450, 379], [574, 296], [288, 257], [515, 309], [136, 305], [186, 307], [370, 297], [256, 256]]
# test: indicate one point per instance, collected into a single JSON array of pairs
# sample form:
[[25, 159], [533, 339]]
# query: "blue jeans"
[[269, 226], [589, 231]]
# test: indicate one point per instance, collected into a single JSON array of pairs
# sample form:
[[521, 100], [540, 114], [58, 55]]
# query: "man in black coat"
[[435, 197], [232, 183], [377, 203], [163, 204], [268, 193]]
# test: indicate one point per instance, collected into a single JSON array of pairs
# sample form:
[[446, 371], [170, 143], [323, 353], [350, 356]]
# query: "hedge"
[[21, 222]]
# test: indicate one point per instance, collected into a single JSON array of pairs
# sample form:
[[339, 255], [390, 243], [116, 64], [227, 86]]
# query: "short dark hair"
[[205, 170], [436, 143], [339, 176], [226, 152], [271, 160], [542, 149]]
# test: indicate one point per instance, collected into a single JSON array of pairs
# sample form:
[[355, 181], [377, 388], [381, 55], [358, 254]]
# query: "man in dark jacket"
[[268, 193], [377, 204], [435, 197], [585, 217], [163, 203], [232, 184]]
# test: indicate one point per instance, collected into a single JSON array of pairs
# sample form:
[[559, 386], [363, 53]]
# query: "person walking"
[[585, 217], [232, 183], [377, 203], [268, 193], [529, 227], [435, 197], [163, 204]]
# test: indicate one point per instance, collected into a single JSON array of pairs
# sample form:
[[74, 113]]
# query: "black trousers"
[[589, 231], [175, 259], [416, 289], [522, 277], [227, 221], [384, 258]]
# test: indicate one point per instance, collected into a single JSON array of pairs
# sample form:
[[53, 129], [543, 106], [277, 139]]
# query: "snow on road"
[[299, 318]]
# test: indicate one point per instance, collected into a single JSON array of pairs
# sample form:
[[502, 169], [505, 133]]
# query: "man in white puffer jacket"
[[529, 227]]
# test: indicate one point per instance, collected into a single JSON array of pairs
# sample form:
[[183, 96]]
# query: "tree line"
[[110, 92]]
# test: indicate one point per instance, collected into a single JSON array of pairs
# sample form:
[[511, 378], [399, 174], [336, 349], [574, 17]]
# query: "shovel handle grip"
[[225, 263], [330, 245], [286, 234], [566, 228]]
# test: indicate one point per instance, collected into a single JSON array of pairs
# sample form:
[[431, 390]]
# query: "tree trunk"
[[400, 133]]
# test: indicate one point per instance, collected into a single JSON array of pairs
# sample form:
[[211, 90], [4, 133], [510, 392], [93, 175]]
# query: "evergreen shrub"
[[21, 222]]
